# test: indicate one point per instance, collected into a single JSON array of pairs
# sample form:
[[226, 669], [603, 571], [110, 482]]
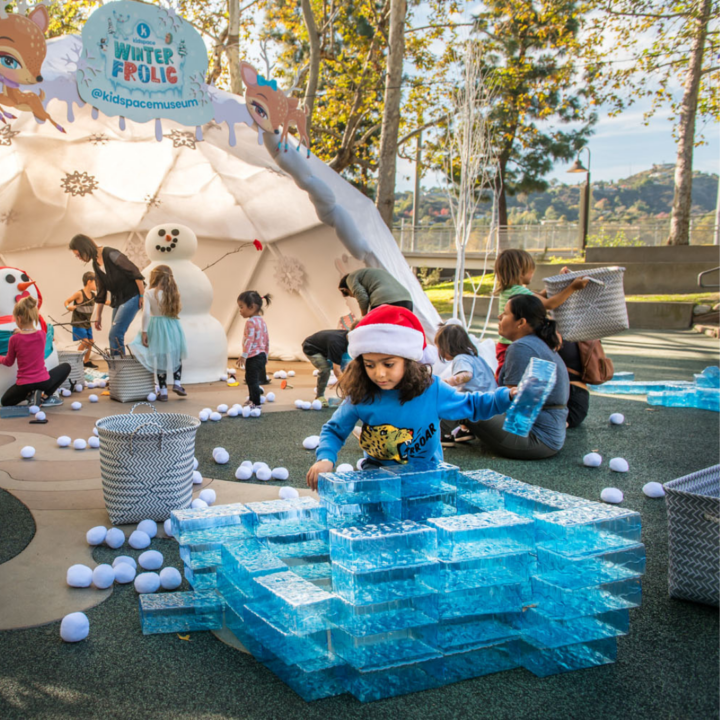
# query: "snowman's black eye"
[[175, 233], [10, 278], [24, 277], [161, 233]]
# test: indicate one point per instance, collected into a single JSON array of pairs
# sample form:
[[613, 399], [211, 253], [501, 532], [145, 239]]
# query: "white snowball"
[[149, 527], [150, 560], [66, 393], [124, 559], [611, 495], [316, 373], [247, 463], [79, 576], [103, 576], [139, 540], [79, 444], [306, 405], [197, 477], [101, 383], [257, 465], [291, 373], [115, 538], [207, 410], [78, 388], [124, 573], [96, 535], [243, 473], [311, 442], [76, 405], [222, 408], [93, 398], [316, 405], [215, 449], [215, 416], [233, 412], [255, 412], [617, 418], [170, 578], [276, 375], [34, 409], [93, 442], [148, 582], [64, 441], [27, 452], [619, 464], [592, 459], [654, 490], [222, 457], [152, 397], [224, 378], [195, 463], [198, 503], [270, 397], [263, 474], [286, 493], [40, 416], [282, 375], [95, 432], [74, 627], [231, 371], [167, 527], [90, 385], [246, 411], [280, 473], [204, 417], [299, 404], [262, 400], [344, 467], [208, 495]]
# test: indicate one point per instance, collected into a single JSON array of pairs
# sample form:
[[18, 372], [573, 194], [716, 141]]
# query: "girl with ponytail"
[[524, 322], [256, 344]]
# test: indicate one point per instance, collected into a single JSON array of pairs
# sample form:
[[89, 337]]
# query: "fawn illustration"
[[22, 51], [270, 107]]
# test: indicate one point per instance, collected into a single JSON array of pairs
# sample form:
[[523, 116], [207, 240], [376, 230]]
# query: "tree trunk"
[[682, 201], [503, 242], [314, 72], [385, 199], [233, 47]]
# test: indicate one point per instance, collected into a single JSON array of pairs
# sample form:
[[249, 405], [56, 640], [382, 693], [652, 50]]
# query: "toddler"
[[256, 344]]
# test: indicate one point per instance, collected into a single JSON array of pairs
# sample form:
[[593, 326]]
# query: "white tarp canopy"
[[114, 181]]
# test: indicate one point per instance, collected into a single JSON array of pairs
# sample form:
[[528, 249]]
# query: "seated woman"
[[525, 323]]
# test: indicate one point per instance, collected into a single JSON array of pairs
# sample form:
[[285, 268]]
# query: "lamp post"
[[577, 167]]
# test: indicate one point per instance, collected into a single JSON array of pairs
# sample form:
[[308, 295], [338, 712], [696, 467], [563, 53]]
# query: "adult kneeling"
[[525, 323]]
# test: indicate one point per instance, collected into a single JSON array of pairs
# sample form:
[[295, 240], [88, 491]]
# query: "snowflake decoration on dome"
[[79, 183], [7, 134], [182, 138], [98, 138], [290, 274], [9, 217], [152, 201]]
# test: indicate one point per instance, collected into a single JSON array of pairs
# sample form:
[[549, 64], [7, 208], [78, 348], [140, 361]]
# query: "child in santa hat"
[[390, 388]]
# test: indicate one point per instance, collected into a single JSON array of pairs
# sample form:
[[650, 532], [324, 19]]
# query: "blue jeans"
[[122, 316]]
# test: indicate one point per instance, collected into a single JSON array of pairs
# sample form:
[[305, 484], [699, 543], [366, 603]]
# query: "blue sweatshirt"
[[395, 433]]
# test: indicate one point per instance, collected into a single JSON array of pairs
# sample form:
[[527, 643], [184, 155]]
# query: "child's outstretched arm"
[[555, 301], [474, 406], [332, 437], [460, 379], [73, 299]]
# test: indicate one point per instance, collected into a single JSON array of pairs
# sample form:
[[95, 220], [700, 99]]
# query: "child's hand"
[[145, 339], [70, 307], [579, 283], [513, 392], [565, 270], [322, 466], [239, 364]]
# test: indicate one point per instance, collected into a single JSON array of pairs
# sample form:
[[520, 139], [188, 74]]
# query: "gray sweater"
[[373, 286]]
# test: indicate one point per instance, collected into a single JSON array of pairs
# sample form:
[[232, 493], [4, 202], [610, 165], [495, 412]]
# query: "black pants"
[[162, 377], [19, 393], [254, 375], [578, 405], [407, 304]]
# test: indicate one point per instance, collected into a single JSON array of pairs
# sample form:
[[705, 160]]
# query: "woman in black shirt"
[[116, 274]]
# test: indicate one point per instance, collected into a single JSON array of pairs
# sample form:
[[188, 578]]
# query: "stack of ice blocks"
[[411, 577]]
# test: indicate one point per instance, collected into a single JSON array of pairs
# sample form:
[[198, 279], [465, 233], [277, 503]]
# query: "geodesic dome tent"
[[115, 179]]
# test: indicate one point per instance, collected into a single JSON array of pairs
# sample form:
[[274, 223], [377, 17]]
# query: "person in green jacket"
[[372, 287]]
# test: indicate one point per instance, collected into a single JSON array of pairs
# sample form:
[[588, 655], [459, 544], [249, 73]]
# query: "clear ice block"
[[536, 384], [202, 577], [369, 686], [202, 555], [424, 478], [180, 612], [640, 388], [366, 513], [532, 499], [233, 595], [355, 488], [473, 663], [498, 532], [442, 503], [468, 633], [379, 586], [473, 503], [374, 547], [709, 377], [313, 571], [312, 680], [507, 598], [367, 620], [539, 628], [219, 523], [236, 625], [488, 570], [244, 561], [300, 545], [699, 397], [285, 517], [595, 567], [543, 661]]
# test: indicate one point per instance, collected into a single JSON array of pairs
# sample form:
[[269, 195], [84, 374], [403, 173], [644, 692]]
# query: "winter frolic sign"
[[144, 62]]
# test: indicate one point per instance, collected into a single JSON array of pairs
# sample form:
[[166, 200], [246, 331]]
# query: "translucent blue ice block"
[[536, 384], [353, 488], [312, 680], [595, 567], [588, 529], [218, 523], [507, 598], [473, 503], [709, 377], [180, 612], [468, 633], [379, 586], [297, 604], [473, 663], [347, 515], [284, 517], [708, 399], [236, 625], [200, 578], [532, 499], [639, 387], [374, 547], [699, 397], [202, 555], [488, 570], [305, 545], [498, 532], [313, 571], [442, 503], [374, 620], [543, 661], [231, 593], [244, 561], [477, 480], [424, 478], [369, 686]]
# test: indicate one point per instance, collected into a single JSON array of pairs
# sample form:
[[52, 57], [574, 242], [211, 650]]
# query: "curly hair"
[[161, 277], [356, 385]]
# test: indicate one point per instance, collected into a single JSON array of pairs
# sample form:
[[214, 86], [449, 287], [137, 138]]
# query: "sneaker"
[[178, 389], [90, 364], [35, 398], [463, 435], [162, 397], [323, 401], [447, 441]]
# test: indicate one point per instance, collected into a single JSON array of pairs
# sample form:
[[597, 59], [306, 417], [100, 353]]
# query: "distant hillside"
[[645, 196]]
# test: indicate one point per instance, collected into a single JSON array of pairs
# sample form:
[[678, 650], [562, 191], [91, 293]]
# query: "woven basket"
[[595, 312], [129, 380], [146, 464], [75, 360], [693, 506]]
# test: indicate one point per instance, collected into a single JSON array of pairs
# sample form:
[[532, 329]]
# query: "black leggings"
[[19, 393], [162, 377], [578, 405], [254, 375]]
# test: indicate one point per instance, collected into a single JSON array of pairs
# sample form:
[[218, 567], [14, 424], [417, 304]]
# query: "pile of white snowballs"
[[261, 471], [308, 405], [284, 374], [233, 411]]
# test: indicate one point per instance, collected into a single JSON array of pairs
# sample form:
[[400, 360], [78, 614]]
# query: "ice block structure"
[[704, 398], [639, 387], [410, 577], [709, 377], [536, 384]]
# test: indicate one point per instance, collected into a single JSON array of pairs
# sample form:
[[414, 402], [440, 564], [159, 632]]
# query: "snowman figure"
[[15, 284], [175, 245]]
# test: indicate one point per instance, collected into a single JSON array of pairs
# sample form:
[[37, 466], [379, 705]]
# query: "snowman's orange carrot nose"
[[22, 287]]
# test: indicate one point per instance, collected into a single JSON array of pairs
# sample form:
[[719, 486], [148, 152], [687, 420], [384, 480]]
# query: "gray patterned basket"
[[595, 312], [146, 464], [693, 505], [75, 360], [129, 380]]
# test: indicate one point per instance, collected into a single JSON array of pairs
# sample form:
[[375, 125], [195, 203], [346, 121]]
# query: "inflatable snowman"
[[174, 246], [14, 286]]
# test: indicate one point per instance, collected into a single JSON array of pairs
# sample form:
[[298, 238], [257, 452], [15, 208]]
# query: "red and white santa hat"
[[391, 330]]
